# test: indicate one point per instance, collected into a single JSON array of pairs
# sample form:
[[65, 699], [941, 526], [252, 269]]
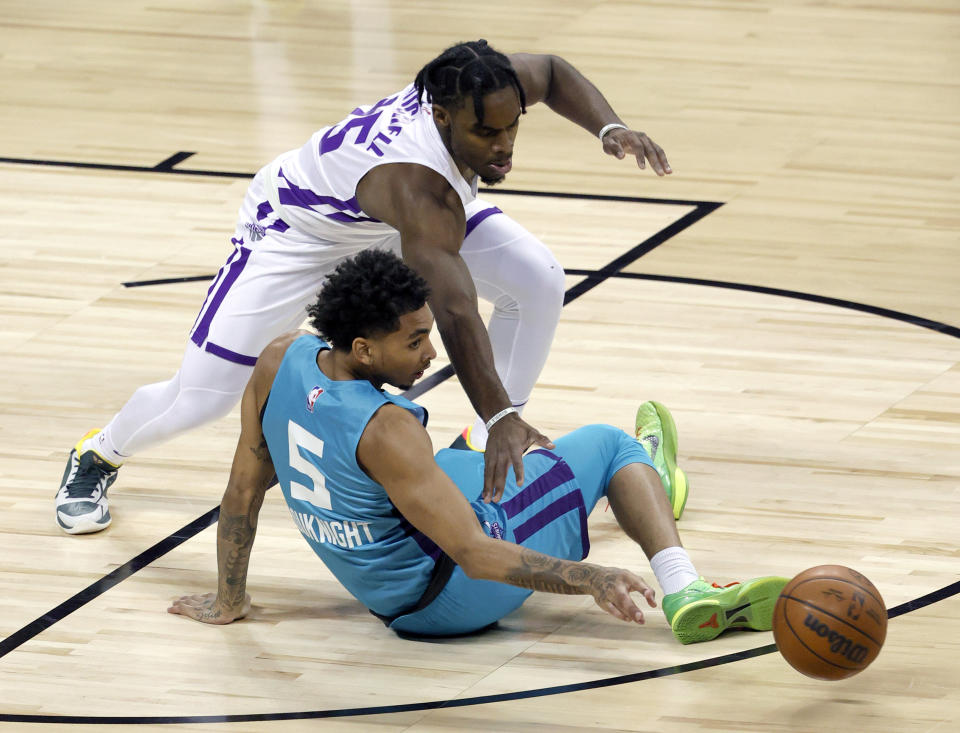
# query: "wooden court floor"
[[792, 292]]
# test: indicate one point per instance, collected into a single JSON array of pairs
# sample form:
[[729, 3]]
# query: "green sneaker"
[[657, 433], [702, 611]]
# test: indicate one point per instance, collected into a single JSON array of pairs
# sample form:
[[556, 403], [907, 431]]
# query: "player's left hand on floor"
[[206, 608]]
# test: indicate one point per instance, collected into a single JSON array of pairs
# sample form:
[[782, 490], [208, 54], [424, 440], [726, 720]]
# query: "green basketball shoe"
[[657, 433], [702, 611]]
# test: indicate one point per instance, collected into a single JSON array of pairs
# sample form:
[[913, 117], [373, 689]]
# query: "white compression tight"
[[518, 274], [511, 268], [205, 388]]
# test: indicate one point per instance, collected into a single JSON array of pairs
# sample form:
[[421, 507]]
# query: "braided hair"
[[471, 68]]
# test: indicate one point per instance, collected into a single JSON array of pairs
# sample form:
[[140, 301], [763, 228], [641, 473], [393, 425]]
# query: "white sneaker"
[[82, 498]]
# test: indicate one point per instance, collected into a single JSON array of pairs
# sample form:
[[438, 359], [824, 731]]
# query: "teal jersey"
[[312, 426]]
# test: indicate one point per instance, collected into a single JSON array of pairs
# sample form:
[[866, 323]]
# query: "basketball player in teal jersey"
[[417, 539], [399, 174]]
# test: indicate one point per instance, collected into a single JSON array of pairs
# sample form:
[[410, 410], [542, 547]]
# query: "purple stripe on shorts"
[[230, 355], [474, 220], [573, 500], [216, 280], [559, 473], [279, 225], [233, 272]]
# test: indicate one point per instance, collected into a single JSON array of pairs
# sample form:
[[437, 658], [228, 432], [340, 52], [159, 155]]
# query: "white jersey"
[[314, 188]]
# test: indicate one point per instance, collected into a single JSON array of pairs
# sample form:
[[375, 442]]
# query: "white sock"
[[674, 569], [103, 447]]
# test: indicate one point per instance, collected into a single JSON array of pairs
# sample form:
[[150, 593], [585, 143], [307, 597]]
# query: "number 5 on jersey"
[[297, 438]]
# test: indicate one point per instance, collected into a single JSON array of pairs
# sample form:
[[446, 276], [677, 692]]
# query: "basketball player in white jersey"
[[402, 175]]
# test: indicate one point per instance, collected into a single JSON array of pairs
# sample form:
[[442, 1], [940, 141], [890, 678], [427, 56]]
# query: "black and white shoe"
[[82, 498]]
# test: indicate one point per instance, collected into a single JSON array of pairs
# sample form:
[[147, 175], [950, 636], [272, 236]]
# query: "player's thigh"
[[594, 454], [261, 292], [505, 259]]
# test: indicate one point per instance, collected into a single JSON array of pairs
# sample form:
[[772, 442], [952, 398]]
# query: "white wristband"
[[612, 126], [499, 416]]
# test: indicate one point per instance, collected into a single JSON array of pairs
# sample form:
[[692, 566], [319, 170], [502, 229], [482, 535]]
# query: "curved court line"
[[593, 278], [204, 521], [917, 603], [797, 295]]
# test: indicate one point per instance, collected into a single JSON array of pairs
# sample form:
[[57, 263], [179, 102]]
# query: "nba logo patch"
[[312, 397]]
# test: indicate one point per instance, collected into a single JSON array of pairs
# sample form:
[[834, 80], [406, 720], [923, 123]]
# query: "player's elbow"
[[453, 307]]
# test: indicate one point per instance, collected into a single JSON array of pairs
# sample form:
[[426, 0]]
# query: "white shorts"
[[276, 271]]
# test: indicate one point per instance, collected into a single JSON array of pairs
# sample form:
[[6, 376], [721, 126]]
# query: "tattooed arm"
[[395, 451], [251, 475]]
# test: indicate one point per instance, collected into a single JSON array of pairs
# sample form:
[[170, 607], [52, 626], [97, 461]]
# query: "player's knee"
[[196, 407], [601, 439], [545, 282]]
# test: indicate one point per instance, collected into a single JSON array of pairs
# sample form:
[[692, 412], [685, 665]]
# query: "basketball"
[[829, 622]]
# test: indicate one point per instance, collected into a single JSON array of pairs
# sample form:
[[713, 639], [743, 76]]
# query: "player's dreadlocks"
[[365, 296], [471, 68]]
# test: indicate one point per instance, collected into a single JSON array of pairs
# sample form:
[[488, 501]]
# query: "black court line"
[[169, 166], [593, 278], [917, 603], [201, 523], [811, 297], [165, 166], [107, 582]]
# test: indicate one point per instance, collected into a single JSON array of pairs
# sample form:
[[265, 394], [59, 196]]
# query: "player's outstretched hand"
[[205, 608], [611, 589], [620, 143], [508, 440]]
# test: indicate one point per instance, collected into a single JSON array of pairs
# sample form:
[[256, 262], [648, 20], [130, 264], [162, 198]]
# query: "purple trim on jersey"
[[474, 220], [339, 216], [233, 272], [573, 500], [264, 210], [379, 105], [559, 473], [230, 355], [304, 198], [428, 546]]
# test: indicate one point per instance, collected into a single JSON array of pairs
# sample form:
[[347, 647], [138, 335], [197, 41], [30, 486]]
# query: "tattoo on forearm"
[[262, 452], [552, 575], [235, 537]]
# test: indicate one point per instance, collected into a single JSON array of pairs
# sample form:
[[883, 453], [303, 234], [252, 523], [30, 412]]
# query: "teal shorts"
[[547, 514]]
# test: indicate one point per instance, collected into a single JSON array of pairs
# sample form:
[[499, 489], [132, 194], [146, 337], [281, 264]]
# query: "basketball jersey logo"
[[312, 397]]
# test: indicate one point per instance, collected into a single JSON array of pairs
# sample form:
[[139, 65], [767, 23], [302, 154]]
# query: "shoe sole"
[[746, 606], [678, 477], [85, 526]]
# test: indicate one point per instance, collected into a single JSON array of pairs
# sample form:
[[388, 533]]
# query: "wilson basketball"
[[829, 622]]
